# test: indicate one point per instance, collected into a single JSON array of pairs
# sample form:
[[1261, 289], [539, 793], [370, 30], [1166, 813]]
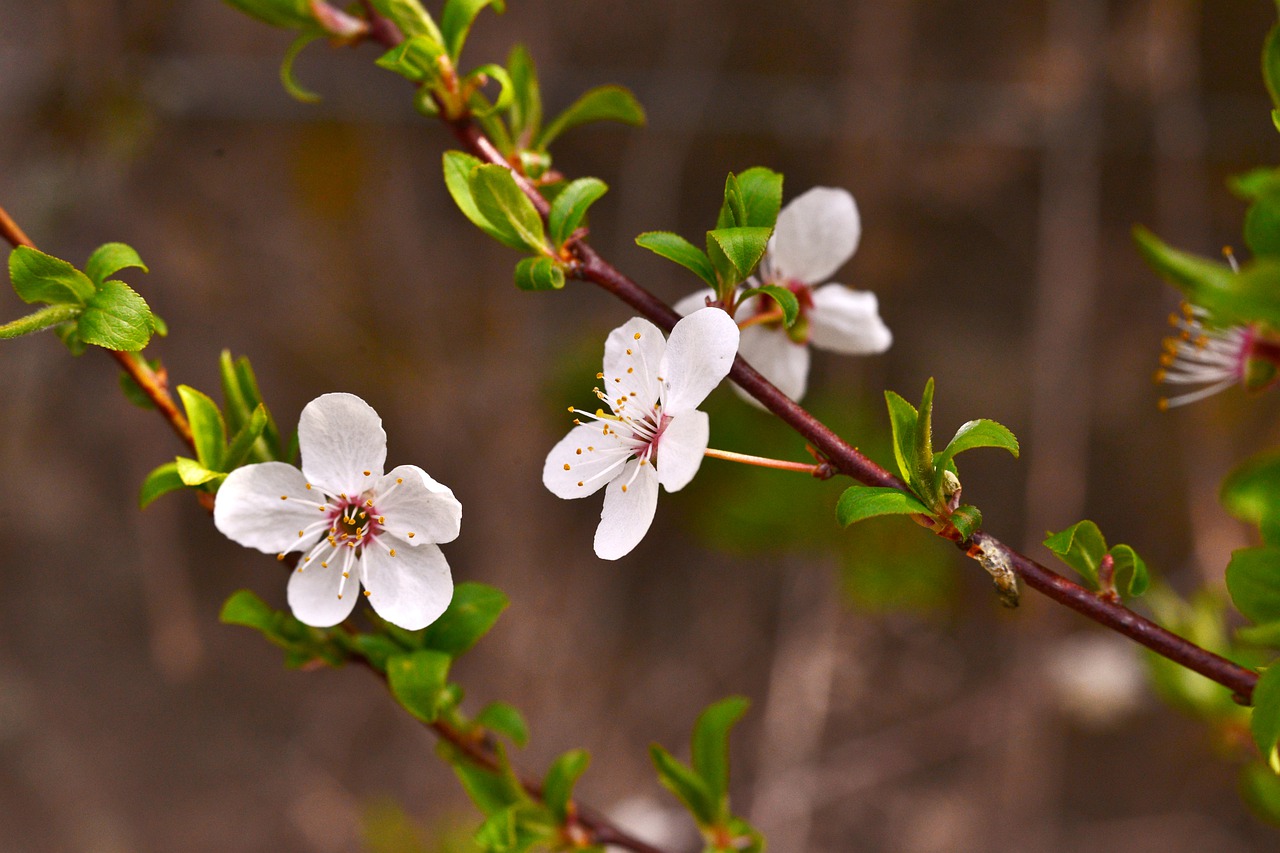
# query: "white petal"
[[631, 355], [847, 321], [681, 448], [627, 514], [313, 593], [694, 301], [249, 510], [410, 589], [699, 355], [779, 359], [816, 233], [566, 467], [341, 437], [419, 505]]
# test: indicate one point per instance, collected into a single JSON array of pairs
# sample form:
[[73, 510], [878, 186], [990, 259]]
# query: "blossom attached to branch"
[[353, 525], [817, 232], [654, 433]]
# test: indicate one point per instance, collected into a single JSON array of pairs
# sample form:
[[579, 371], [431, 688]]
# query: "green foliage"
[[456, 21], [410, 18], [159, 482], [1271, 68], [38, 277], [1230, 297], [1253, 580], [47, 317], [688, 786], [416, 59], [192, 473], [505, 720], [525, 113], [734, 252], [673, 247], [241, 401], [570, 207], [287, 79], [557, 787], [418, 680], [541, 273], [479, 105], [862, 502], [1200, 620], [603, 103], [109, 258], [1251, 492], [1260, 788], [472, 612], [207, 427], [752, 199], [302, 643], [967, 519], [785, 299], [710, 748], [116, 318], [290, 14], [505, 206], [1262, 225], [1265, 722], [1083, 547]]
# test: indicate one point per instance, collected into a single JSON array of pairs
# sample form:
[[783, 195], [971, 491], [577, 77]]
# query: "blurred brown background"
[[999, 152]]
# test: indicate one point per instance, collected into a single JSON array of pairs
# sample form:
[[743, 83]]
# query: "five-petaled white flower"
[[816, 233], [353, 525], [655, 435]]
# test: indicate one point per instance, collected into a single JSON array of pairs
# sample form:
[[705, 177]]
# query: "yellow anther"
[[368, 502], [628, 352], [299, 534], [644, 461], [600, 375], [631, 370], [393, 552], [324, 565], [566, 466], [1159, 377], [411, 535], [579, 482], [617, 379], [637, 336], [367, 473], [590, 448], [1163, 404], [308, 487], [339, 596], [624, 488], [399, 480], [367, 593], [382, 519], [577, 422], [284, 497], [280, 556], [578, 452], [346, 574], [342, 495]]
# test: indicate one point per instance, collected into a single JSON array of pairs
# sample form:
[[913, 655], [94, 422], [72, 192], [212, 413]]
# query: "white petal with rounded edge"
[[340, 437], [598, 453], [681, 448], [847, 321], [816, 233], [627, 514], [249, 510], [410, 589], [629, 364], [699, 355], [779, 359], [419, 505], [694, 302], [313, 593]]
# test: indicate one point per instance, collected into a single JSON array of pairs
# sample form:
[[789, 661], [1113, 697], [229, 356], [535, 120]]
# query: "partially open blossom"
[[352, 524], [817, 232], [654, 433], [1213, 358]]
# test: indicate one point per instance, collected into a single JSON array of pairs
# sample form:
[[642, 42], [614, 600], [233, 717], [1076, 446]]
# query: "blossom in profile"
[[653, 433], [816, 233], [1209, 358], [352, 525]]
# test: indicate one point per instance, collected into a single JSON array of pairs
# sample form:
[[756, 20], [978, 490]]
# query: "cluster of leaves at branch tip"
[[702, 786], [735, 246], [240, 433], [932, 480], [82, 307], [1108, 570]]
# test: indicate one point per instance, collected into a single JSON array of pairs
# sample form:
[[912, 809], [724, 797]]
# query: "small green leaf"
[[109, 258], [472, 612], [417, 680], [291, 85], [1265, 723], [925, 477], [244, 439], [498, 832], [116, 318], [480, 106], [1251, 492], [732, 212], [290, 14], [526, 106], [571, 206], [247, 609], [456, 21], [711, 748], [1260, 787], [416, 59], [743, 247], [491, 792], [541, 273], [377, 649], [410, 18], [603, 103], [1262, 225], [159, 482], [505, 206], [207, 427], [69, 334], [458, 168], [783, 296], [1252, 294], [673, 247], [38, 277], [242, 397], [1082, 547], [685, 784], [761, 193], [966, 519], [505, 720], [192, 473], [557, 787], [980, 433], [1130, 570], [859, 503], [902, 420], [1255, 183], [38, 321], [1271, 66], [1253, 579]]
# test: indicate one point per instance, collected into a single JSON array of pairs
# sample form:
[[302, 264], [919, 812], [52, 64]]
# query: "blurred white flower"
[[350, 522]]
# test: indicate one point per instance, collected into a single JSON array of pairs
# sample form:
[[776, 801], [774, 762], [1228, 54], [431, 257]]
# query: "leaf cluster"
[[1082, 547]]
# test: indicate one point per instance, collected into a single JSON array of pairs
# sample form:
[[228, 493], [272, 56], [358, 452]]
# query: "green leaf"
[[472, 612], [498, 832], [416, 59], [240, 391], [1251, 491], [1082, 547], [457, 177], [1252, 294], [500, 200], [377, 649], [1265, 723], [505, 720], [290, 14], [1253, 579], [417, 680], [480, 106], [859, 503], [685, 784], [1260, 787], [247, 609], [526, 105], [557, 787], [1271, 66], [761, 193], [966, 519], [926, 479], [38, 321], [673, 247], [244, 439], [979, 433], [159, 482], [207, 427], [410, 18], [742, 247], [1130, 570], [456, 21], [491, 792], [192, 473], [732, 212], [783, 296], [540, 273], [1255, 183], [902, 419], [291, 85], [603, 103], [38, 277], [116, 318], [302, 643], [109, 258], [1262, 225], [69, 334], [711, 748], [571, 206]]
